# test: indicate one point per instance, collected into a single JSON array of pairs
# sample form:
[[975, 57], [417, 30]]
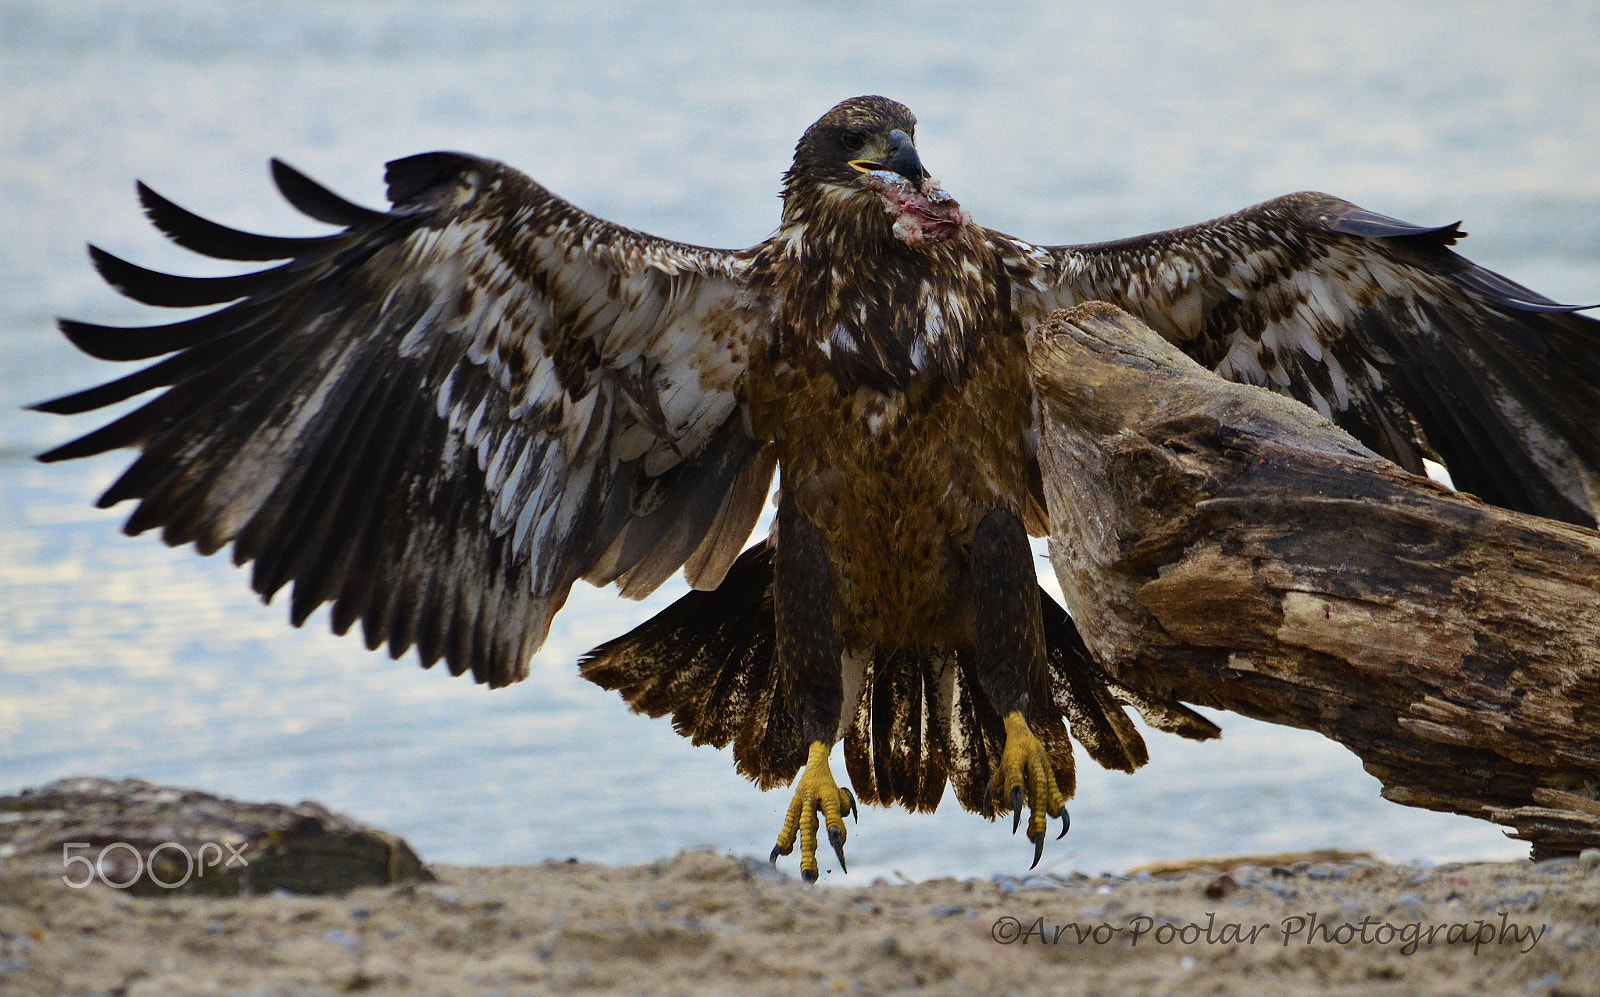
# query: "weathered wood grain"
[[1234, 549]]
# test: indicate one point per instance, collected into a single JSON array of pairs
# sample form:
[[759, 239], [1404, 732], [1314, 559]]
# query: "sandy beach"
[[706, 923]]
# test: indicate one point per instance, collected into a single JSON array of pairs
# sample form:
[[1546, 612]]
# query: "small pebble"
[[344, 938], [755, 867], [1589, 859], [447, 895], [1520, 902], [1220, 887]]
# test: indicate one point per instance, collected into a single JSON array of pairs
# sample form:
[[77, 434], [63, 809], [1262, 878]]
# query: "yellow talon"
[[815, 792], [1025, 775]]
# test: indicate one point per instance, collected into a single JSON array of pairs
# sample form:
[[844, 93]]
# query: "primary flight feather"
[[441, 416]]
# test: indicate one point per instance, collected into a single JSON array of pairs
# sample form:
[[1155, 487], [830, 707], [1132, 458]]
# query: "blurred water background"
[[1060, 123]]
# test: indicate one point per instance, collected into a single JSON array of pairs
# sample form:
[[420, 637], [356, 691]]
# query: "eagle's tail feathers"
[[975, 737], [895, 747], [921, 720], [707, 660], [1093, 701], [1082, 693]]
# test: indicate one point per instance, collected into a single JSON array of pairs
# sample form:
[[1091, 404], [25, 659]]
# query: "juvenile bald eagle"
[[441, 416]]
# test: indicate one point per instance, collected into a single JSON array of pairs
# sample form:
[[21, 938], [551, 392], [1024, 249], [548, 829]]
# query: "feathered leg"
[[809, 677], [1011, 670]]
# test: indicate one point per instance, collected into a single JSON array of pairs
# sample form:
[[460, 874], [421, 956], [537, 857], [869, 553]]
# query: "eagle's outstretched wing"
[[1375, 323], [441, 416]]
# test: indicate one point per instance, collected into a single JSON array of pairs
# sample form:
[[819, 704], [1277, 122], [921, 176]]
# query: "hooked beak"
[[899, 156]]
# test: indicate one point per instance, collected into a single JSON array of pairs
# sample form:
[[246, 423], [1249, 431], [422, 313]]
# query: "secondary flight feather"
[[440, 416]]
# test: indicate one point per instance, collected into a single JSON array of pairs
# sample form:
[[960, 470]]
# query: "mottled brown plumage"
[[897, 406], [441, 416]]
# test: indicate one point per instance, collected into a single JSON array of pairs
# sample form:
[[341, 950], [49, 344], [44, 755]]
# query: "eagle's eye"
[[853, 141]]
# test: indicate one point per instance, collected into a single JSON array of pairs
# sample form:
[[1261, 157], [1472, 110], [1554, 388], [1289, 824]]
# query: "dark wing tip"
[[210, 238], [109, 393], [1509, 294], [311, 198], [55, 454], [165, 290], [1502, 291], [412, 176], [1370, 224], [108, 437], [111, 343], [107, 342]]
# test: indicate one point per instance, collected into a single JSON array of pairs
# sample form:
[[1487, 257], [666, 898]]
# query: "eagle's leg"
[[810, 681], [1010, 665]]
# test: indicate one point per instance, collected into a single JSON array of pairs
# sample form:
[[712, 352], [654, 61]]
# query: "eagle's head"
[[861, 155]]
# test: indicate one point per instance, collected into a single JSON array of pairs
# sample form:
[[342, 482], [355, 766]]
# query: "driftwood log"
[[1234, 549]]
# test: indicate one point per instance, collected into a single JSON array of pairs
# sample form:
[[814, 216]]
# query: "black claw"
[[1038, 848], [836, 839], [850, 808], [1066, 822], [773, 858], [1016, 809], [809, 875]]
